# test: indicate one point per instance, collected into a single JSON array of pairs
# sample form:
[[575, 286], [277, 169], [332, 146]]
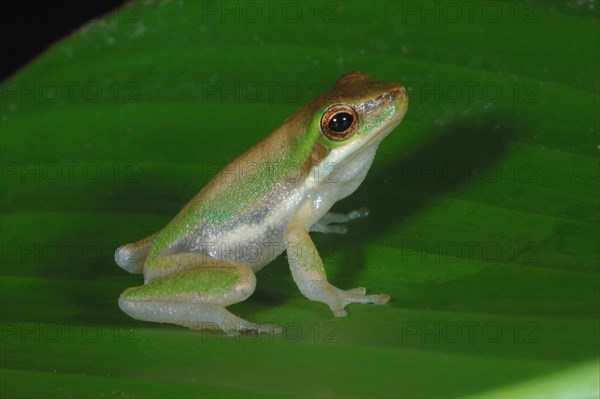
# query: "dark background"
[[30, 27]]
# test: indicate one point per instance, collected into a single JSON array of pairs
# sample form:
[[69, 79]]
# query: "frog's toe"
[[254, 328], [362, 212], [380, 299], [359, 291], [337, 305], [275, 329], [249, 328], [336, 229], [340, 312], [357, 295], [269, 328], [329, 228]]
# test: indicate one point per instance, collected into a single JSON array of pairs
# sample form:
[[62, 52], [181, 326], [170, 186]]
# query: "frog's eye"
[[339, 122]]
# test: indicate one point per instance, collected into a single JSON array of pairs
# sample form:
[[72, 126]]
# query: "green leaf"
[[484, 202]]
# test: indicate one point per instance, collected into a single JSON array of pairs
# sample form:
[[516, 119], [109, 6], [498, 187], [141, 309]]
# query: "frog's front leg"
[[192, 290], [325, 224], [309, 274]]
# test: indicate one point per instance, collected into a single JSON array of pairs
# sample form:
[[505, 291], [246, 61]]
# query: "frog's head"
[[347, 123], [360, 110]]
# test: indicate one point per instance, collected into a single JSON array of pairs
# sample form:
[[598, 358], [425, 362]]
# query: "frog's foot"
[[193, 315], [326, 223], [195, 297], [309, 275], [244, 326], [337, 299]]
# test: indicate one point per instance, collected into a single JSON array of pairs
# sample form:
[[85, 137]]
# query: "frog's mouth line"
[[386, 129], [374, 140]]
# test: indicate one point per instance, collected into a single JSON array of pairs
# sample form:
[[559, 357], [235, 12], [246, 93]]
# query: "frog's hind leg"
[[194, 295]]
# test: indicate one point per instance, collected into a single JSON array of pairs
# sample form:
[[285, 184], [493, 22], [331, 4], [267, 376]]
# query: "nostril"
[[399, 93], [395, 95]]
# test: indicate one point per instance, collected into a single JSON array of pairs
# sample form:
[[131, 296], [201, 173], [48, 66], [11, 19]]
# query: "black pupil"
[[340, 122]]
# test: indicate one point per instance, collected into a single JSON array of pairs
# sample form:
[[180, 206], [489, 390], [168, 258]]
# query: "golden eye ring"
[[339, 122]]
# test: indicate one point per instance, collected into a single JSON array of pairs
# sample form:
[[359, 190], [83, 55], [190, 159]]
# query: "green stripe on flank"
[[192, 282]]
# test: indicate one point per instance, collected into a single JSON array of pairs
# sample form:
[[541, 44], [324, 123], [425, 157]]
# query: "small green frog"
[[264, 202]]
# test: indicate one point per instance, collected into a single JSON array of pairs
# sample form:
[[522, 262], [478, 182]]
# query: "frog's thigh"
[[195, 296]]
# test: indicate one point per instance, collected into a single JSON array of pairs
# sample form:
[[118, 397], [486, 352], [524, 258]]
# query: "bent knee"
[[245, 283]]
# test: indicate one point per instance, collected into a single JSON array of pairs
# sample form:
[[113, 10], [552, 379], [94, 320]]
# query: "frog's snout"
[[398, 97], [398, 94]]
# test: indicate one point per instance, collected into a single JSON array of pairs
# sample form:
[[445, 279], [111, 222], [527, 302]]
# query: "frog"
[[265, 202]]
